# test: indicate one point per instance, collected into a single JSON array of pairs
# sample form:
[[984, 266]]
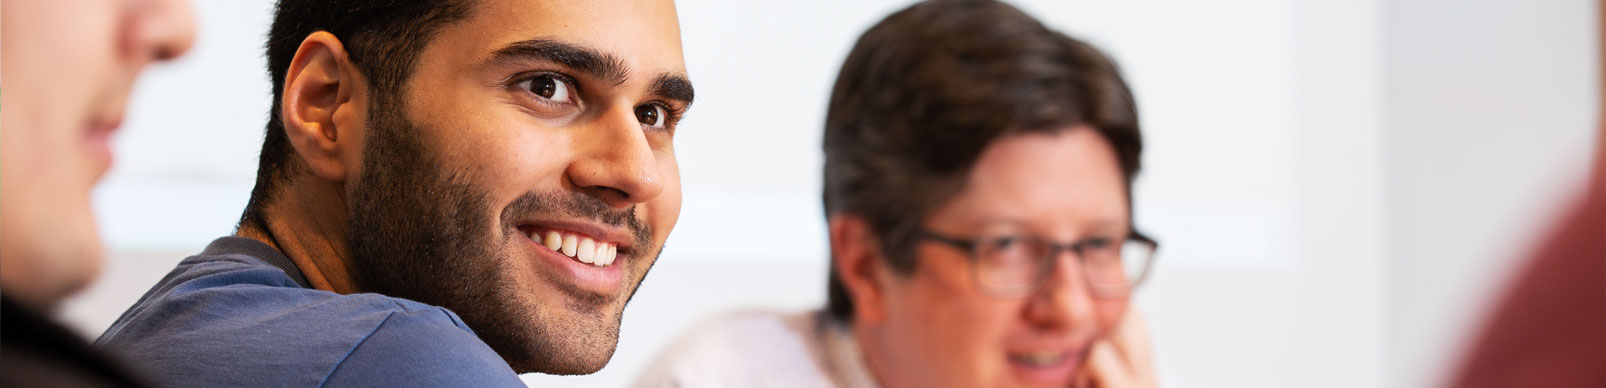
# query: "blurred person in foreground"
[[68, 68], [977, 185], [1549, 328], [449, 193]]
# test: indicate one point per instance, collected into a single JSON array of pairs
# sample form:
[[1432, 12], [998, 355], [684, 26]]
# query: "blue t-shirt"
[[240, 314]]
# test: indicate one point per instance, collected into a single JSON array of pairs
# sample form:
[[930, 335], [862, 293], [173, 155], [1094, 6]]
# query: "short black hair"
[[381, 37], [928, 88]]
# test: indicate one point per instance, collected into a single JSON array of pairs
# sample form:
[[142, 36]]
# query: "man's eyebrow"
[[603, 66], [674, 87]]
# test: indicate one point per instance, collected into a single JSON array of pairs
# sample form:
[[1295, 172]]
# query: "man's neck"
[[310, 232]]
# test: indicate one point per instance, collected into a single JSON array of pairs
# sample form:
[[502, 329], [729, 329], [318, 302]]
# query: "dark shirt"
[[240, 314], [36, 352]]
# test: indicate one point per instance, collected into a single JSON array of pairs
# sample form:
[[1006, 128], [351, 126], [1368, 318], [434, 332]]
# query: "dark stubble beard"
[[421, 231]]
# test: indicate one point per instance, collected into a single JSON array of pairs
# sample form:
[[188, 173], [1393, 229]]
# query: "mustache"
[[576, 205]]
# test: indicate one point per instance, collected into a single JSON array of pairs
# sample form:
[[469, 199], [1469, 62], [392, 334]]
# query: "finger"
[[1083, 379], [1131, 339], [1106, 368]]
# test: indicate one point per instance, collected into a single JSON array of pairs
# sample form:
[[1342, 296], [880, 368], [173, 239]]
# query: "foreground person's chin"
[[80, 268]]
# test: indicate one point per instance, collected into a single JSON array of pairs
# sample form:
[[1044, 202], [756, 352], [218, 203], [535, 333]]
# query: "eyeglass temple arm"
[[963, 244], [1136, 235]]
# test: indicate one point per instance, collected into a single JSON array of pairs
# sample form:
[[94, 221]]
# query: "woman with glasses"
[[977, 184]]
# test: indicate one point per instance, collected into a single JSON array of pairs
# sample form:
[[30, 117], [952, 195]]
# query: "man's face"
[[525, 122], [939, 331], [68, 67]]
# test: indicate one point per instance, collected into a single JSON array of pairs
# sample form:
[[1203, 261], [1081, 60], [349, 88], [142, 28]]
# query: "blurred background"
[[1338, 186]]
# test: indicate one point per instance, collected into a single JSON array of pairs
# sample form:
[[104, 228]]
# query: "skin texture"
[[428, 195], [930, 328], [68, 67]]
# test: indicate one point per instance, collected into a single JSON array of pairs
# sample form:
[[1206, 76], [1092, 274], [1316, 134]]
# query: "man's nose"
[[1065, 299], [616, 163], [160, 30]]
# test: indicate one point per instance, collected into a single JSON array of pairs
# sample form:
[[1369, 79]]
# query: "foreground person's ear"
[[322, 108], [857, 258]]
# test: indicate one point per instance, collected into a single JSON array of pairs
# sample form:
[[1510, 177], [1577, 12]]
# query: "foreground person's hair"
[[928, 88]]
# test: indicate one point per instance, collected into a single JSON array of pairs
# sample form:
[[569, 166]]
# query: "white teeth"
[[553, 241], [1040, 358], [581, 248], [569, 243], [586, 251]]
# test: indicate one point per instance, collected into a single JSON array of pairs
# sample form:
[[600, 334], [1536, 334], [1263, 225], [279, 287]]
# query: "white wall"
[[1298, 154], [1491, 109]]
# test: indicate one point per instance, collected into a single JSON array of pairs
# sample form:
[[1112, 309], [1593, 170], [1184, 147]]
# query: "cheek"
[[1110, 313], [975, 337], [665, 210], [983, 331], [514, 159], [46, 213], [960, 332]]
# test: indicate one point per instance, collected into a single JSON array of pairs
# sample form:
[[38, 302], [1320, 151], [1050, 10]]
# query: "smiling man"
[[449, 193]]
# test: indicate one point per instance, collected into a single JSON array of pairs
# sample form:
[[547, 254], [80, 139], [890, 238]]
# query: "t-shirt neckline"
[[236, 245]]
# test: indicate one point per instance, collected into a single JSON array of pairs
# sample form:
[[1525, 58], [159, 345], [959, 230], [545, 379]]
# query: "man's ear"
[[323, 107], [856, 253]]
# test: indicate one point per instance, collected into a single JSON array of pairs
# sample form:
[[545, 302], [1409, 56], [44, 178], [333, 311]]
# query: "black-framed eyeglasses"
[[1013, 265]]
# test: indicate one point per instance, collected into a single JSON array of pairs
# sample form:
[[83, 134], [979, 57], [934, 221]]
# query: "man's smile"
[[582, 254], [576, 245]]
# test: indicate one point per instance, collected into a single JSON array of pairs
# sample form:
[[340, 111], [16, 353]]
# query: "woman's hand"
[[1122, 360]]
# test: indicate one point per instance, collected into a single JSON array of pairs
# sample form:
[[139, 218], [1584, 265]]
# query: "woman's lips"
[[1046, 367]]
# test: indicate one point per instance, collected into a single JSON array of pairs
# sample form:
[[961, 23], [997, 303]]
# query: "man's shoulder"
[[237, 320], [234, 289], [332, 340], [422, 348], [744, 348]]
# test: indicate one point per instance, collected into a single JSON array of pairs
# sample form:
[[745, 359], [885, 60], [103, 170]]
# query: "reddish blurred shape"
[[1550, 328]]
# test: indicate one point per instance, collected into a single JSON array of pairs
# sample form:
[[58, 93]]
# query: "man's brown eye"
[[549, 87], [545, 87], [650, 115]]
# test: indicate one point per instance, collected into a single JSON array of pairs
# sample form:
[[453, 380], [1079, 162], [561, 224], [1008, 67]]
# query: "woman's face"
[[939, 329]]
